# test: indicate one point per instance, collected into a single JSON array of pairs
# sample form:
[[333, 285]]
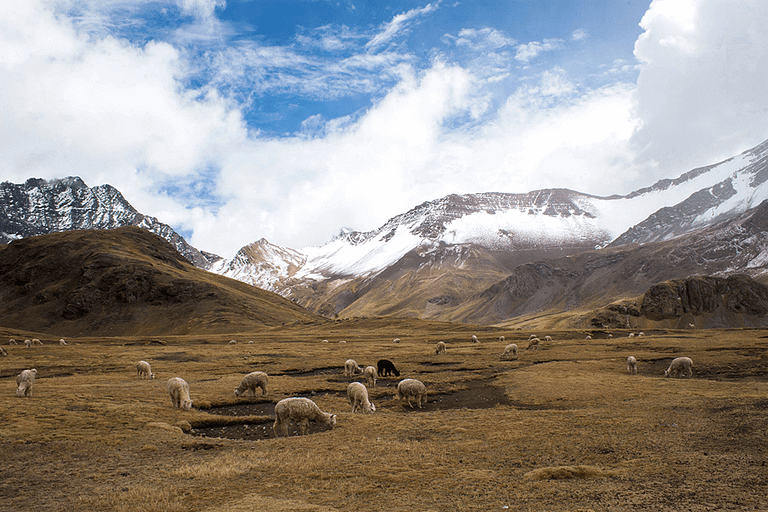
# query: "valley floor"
[[563, 428]]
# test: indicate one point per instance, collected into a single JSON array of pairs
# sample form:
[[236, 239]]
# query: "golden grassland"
[[563, 428]]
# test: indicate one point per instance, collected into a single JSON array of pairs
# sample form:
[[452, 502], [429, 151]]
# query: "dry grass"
[[574, 430]]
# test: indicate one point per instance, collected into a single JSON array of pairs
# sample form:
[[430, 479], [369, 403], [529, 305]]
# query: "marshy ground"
[[562, 428]]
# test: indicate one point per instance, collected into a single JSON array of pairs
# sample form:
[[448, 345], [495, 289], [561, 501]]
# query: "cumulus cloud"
[[701, 88]]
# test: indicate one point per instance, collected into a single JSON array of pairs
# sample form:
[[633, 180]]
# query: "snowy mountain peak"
[[41, 206]]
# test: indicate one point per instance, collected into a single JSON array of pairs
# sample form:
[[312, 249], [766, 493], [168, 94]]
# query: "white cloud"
[[701, 89], [201, 8], [526, 52], [579, 35], [398, 24], [485, 39], [77, 103]]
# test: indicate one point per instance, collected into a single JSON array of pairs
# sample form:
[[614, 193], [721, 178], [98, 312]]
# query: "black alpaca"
[[385, 368]]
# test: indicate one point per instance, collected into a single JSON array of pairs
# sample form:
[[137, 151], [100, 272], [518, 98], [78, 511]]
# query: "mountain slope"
[[510, 229], [589, 280], [38, 207], [126, 281]]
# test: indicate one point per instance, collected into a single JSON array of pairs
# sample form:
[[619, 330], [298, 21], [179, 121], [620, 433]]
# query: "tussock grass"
[[99, 438]]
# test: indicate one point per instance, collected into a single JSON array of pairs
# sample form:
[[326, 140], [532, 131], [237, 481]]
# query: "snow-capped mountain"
[[515, 228], [38, 207], [557, 219], [729, 189], [262, 264]]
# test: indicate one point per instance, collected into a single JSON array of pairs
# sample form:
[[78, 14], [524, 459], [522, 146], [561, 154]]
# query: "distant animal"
[[369, 372], [631, 335], [252, 381], [27, 343], [396, 340], [62, 342], [36, 341], [351, 368], [24, 382], [144, 370], [510, 352], [358, 398], [302, 410], [440, 348], [342, 341], [534, 344], [632, 365], [680, 368], [3, 352], [233, 342], [547, 338], [501, 339], [474, 339], [178, 388], [412, 389], [610, 335], [325, 341], [13, 342], [386, 368], [532, 336], [588, 337]]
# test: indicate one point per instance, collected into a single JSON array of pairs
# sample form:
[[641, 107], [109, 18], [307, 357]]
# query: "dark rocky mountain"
[[126, 281], [38, 207]]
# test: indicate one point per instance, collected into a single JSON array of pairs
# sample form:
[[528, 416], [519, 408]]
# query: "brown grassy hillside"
[[564, 428], [126, 281]]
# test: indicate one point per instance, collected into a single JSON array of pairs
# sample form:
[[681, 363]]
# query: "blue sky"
[[289, 119]]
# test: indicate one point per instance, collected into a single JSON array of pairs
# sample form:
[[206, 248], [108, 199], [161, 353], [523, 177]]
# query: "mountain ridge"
[[41, 206]]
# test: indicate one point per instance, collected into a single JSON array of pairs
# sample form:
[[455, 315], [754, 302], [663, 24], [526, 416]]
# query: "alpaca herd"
[[410, 391]]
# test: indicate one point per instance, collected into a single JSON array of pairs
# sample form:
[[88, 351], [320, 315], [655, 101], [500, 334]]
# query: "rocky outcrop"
[[705, 294]]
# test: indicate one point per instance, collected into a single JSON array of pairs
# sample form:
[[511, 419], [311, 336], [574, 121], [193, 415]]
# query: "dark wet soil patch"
[[253, 421], [478, 394], [181, 357], [248, 421], [328, 370]]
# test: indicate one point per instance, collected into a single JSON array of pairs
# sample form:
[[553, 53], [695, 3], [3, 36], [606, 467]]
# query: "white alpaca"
[[62, 342], [369, 372], [178, 388], [351, 368], [412, 389], [510, 352], [440, 348], [24, 382], [302, 410], [252, 381], [358, 398], [534, 344], [680, 368], [144, 370], [474, 339], [632, 365]]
